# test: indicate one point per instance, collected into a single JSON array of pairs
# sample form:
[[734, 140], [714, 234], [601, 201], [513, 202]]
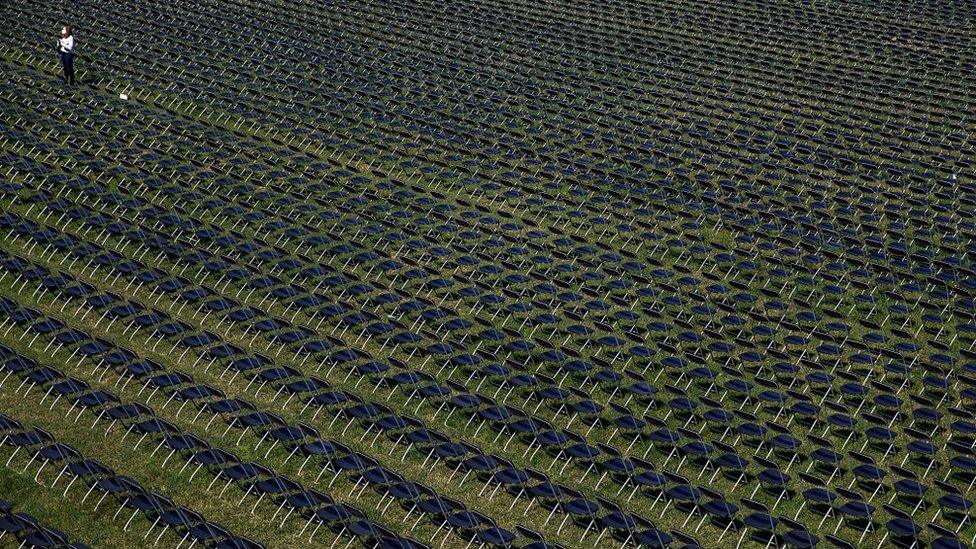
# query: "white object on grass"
[[123, 96]]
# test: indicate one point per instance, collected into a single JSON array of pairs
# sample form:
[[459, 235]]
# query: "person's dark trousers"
[[67, 62]]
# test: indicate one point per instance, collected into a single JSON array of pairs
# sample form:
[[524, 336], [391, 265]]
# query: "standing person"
[[66, 46]]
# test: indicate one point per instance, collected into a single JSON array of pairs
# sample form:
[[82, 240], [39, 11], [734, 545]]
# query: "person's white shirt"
[[66, 44]]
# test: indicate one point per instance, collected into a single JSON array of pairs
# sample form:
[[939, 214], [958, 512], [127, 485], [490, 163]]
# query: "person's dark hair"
[[67, 30]]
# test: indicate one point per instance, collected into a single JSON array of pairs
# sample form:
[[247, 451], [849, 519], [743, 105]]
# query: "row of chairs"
[[222, 349], [300, 440], [846, 386], [43, 449], [29, 530]]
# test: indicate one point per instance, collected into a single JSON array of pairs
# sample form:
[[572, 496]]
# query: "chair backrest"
[[958, 412], [960, 447], [863, 458], [754, 505], [711, 494], [711, 403], [903, 472], [609, 450], [873, 419], [607, 504], [675, 478], [838, 542], [724, 447], [531, 534], [642, 464], [546, 380], [849, 494], [896, 512], [748, 416], [948, 488], [792, 524], [916, 434], [572, 492], [798, 395], [822, 442], [688, 541], [837, 407], [483, 518], [537, 475], [811, 479], [768, 383], [942, 530], [655, 421]]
